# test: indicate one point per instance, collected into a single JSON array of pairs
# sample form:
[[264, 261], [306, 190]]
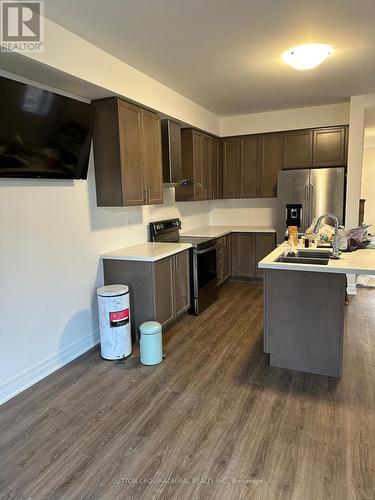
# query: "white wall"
[[247, 212], [368, 185], [287, 119], [52, 234]]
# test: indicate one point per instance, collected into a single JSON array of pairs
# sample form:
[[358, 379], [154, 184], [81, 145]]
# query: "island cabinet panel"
[[297, 149], [329, 148], [265, 243], [127, 154], [159, 291], [271, 162], [243, 255], [304, 315]]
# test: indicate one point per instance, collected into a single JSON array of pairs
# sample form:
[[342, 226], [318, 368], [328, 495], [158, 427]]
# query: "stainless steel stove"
[[203, 275]]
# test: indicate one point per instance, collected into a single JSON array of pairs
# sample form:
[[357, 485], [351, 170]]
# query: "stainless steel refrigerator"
[[318, 190]]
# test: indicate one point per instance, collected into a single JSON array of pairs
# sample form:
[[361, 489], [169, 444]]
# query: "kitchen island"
[[304, 309]]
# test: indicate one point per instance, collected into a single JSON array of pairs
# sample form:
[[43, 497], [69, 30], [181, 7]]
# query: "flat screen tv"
[[43, 134]]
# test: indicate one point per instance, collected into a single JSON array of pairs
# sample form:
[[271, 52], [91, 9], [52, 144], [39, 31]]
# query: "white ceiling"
[[225, 54]]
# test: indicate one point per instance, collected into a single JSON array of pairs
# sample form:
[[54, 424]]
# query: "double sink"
[[318, 257]]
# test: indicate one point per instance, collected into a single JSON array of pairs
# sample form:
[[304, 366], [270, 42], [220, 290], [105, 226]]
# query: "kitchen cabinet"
[[231, 166], [246, 252], [159, 291], [152, 159], [216, 173], [207, 174], [314, 148], [243, 255], [192, 165], [329, 148], [164, 290], [200, 162], [249, 166], [223, 258], [127, 154], [271, 162], [265, 243], [181, 283], [297, 150]]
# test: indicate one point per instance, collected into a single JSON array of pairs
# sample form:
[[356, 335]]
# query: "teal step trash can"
[[151, 343]]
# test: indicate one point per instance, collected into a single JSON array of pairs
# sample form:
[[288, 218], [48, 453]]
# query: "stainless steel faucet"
[[315, 226]]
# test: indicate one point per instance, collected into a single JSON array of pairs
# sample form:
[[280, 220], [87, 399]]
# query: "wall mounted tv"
[[42, 134]]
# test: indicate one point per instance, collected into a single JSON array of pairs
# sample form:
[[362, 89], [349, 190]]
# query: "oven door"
[[206, 268]]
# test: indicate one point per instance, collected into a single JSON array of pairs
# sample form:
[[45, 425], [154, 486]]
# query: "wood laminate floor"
[[212, 421]]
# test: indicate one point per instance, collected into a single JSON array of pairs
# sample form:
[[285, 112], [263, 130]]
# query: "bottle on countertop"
[[293, 235]]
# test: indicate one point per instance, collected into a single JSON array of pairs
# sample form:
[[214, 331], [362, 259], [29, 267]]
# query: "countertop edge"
[[208, 231], [269, 263], [145, 258]]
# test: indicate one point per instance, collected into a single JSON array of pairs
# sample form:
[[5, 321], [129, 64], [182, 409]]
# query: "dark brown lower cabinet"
[[223, 258], [164, 290], [159, 291], [181, 283], [247, 250], [264, 244], [243, 260]]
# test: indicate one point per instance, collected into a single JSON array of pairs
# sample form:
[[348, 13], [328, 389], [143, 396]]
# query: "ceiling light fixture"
[[307, 56]]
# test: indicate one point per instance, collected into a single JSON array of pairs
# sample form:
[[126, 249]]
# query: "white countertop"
[[147, 252], [217, 231], [358, 262]]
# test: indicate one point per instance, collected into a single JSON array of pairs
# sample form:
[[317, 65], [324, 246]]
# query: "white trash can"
[[114, 321]]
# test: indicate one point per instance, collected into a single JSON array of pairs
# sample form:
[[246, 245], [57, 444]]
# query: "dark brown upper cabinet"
[[322, 147], [329, 148], [297, 150], [200, 162], [216, 187], [231, 166], [249, 166], [127, 154], [271, 161], [152, 159], [192, 159]]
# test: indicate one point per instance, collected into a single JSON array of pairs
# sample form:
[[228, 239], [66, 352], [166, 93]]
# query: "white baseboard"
[[34, 374]]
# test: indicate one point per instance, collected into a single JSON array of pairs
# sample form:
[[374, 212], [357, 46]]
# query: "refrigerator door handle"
[[311, 201], [306, 209]]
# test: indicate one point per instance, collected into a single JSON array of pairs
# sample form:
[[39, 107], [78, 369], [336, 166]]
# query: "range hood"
[[172, 160]]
